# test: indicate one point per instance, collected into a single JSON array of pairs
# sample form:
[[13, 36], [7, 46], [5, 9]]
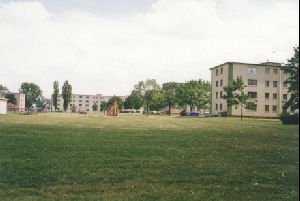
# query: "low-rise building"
[[3, 105], [84, 102], [264, 84]]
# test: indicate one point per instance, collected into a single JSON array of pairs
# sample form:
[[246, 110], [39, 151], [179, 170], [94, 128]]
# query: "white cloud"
[[174, 41]]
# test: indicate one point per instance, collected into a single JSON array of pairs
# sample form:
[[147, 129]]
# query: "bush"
[[287, 118], [184, 113]]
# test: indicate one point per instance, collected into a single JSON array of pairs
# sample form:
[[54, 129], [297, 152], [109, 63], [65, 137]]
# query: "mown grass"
[[94, 157]]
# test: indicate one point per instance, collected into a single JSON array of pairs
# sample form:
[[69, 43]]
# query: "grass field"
[[57, 156]]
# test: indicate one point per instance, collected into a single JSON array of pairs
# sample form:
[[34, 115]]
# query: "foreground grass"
[[94, 157]]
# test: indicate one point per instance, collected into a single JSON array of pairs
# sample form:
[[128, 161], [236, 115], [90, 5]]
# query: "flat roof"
[[273, 64]]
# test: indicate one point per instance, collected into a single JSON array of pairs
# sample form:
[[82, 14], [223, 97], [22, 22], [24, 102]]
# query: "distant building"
[[20, 105], [3, 105], [264, 84], [84, 102]]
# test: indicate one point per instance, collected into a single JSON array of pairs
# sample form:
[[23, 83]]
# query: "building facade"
[[264, 84], [20, 105], [3, 105], [83, 102]]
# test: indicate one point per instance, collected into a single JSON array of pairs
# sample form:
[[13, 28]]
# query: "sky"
[[107, 46]]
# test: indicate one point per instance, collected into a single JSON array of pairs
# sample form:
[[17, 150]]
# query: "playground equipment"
[[113, 110]]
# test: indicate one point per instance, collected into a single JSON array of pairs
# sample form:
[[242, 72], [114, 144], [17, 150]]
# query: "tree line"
[[152, 96]]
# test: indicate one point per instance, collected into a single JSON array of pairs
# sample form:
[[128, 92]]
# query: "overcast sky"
[[106, 46]]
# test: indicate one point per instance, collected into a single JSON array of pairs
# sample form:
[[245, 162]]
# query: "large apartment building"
[[264, 84], [84, 102]]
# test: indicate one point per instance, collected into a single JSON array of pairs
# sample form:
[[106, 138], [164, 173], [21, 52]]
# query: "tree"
[[66, 94], [32, 92], [235, 96], [11, 98], [103, 106], [292, 70], [147, 90], [134, 101], [55, 94], [3, 88], [95, 107], [194, 93], [169, 91], [157, 101], [44, 103]]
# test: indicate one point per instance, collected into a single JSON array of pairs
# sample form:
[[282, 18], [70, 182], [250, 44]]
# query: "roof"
[[273, 64]]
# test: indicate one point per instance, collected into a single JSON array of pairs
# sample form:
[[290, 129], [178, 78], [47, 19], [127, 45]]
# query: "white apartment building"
[[264, 84], [84, 102]]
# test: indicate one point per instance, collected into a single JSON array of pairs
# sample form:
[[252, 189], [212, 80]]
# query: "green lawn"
[[57, 156]]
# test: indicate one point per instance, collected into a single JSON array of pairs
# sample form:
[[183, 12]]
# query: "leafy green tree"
[[157, 102], [33, 93], [147, 89], [169, 90], [103, 106], [134, 101], [292, 70], [11, 98], [194, 93], [3, 88], [55, 94], [66, 94], [95, 107], [235, 96], [44, 103]]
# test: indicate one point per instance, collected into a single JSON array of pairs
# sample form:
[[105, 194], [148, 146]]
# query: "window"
[[267, 108], [274, 96], [87, 105], [252, 95], [221, 70], [80, 101], [217, 107], [267, 95], [80, 96], [252, 70], [252, 82], [267, 70], [221, 83], [221, 107], [87, 101], [217, 83], [275, 83], [87, 110], [221, 94], [285, 85], [80, 104], [275, 71], [267, 83], [217, 72], [87, 97], [252, 107], [274, 108], [284, 96], [217, 95]]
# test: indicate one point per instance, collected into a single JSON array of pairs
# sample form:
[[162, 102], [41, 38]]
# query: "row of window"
[[253, 95], [252, 108], [252, 70], [252, 82]]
